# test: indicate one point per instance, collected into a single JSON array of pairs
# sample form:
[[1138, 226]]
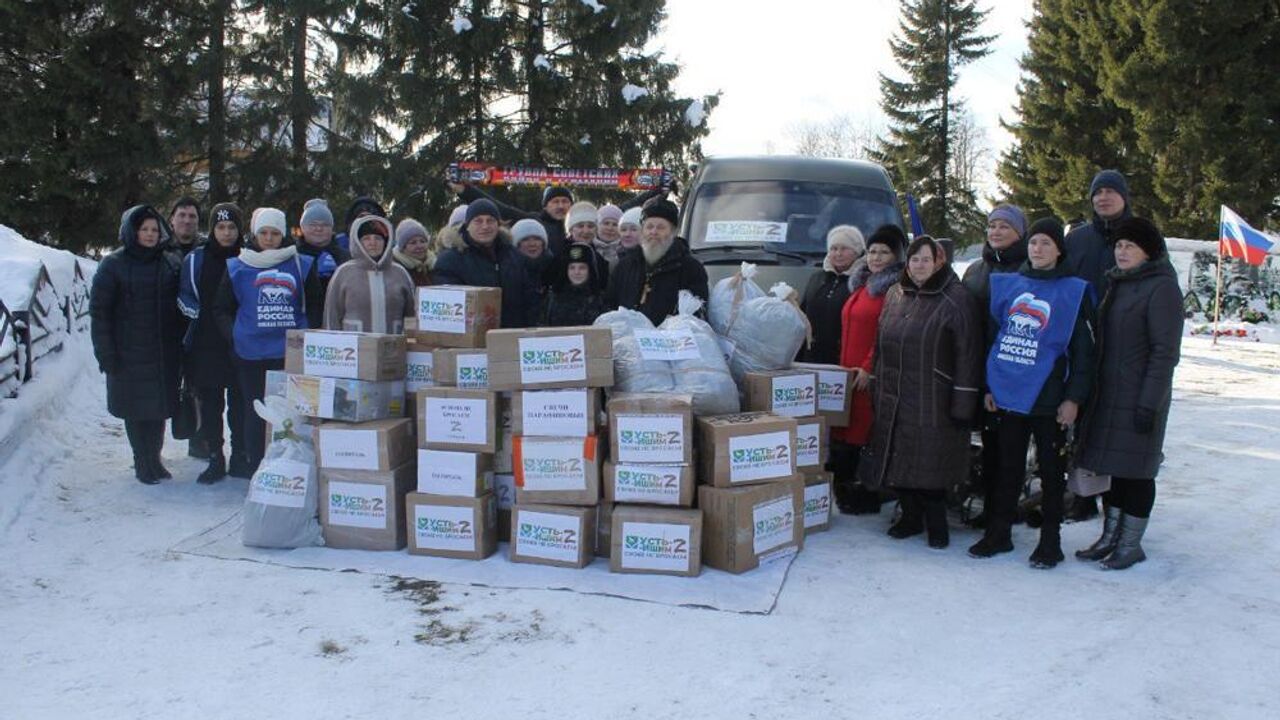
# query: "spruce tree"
[[935, 39]]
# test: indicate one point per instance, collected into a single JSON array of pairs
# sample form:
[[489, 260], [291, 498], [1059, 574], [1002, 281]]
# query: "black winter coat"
[[135, 324], [823, 303], [655, 290], [500, 266], [1140, 342], [571, 306], [339, 254], [977, 279], [1091, 251], [208, 356]]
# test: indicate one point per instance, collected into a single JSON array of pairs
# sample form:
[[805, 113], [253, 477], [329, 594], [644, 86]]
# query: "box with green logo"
[[347, 355], [557, 470], [455, 315], [744, 448], [656, 541], [364, 510], [466, 368], [457, 419], [555, 535], [452, 527], [817, 502], [549, 358], [344, 399], [651, 428], [811, 443], [745, 527], [835, 391], [793, 393], [649, 483], [571, 412]]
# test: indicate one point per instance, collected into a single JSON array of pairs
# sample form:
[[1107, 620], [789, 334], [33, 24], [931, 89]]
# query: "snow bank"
[[60, 263]]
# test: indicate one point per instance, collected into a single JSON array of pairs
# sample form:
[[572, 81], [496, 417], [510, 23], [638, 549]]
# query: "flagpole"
[[1217, 293]]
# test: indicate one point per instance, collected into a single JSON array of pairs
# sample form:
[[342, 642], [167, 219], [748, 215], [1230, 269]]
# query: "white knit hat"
[[630, 217], [846, 236], [581, 212], [269, 217], [528, 228]]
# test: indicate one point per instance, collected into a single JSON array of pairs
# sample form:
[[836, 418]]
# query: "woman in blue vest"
[[1039, 373], [267, 291]]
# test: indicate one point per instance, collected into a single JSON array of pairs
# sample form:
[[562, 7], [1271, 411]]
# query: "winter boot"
[[239, 466], [864, 501], [216, 471], [911, 521], [935, 520], [1128, 550], [1105, 543], [994, 541], [143, 472], [842, 489], [158, 469], [1048, 553]]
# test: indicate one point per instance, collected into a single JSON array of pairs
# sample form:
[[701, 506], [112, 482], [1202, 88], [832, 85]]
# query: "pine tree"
[[935, 39]]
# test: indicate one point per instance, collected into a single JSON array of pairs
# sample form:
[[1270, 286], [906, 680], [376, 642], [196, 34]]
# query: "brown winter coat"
[[928, 369], [367, 294]]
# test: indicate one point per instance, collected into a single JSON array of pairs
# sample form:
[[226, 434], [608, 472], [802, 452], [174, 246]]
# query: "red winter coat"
[[859, 325]]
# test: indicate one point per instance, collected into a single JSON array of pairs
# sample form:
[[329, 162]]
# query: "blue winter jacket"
[[262, 297]]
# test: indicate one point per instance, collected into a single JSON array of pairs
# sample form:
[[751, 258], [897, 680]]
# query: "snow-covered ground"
[[101, 618]]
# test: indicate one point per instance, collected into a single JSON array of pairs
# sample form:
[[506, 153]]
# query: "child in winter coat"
[[370, 293], [576, 297]]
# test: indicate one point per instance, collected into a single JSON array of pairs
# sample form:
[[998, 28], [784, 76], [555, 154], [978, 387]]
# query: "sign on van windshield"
[[746, 231]]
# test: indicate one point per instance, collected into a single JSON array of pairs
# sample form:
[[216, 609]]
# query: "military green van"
[[775, 211]]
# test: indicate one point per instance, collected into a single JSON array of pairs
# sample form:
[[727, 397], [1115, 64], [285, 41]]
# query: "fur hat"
[[1052, 227], [1011, 214], [890, 236], [269, 217], [483, 206], [1143, 233], [554, 191], [846, 236], [581, 212], [409, 229], [631, 217], [661, 208]]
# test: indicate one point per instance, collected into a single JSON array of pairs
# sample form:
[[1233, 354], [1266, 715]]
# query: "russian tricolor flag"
[[1238, 240]]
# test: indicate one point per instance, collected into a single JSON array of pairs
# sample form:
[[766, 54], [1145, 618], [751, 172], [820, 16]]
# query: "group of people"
[[179, 320], [1047, 336]]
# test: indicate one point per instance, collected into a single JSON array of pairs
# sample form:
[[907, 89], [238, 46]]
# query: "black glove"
[[1144, 420]]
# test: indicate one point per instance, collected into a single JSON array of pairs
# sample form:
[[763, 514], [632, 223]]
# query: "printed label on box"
[[657, 484], [357, 505], [443, 527], [472, 371], [442, 310], [330, 354], [773, 523], [553, 359], [444, 472], [667, 344], [650, 438], [554, 412], [418, 368], [817, 505], [348, 449], [504, 487], [794, 396], [547, 535], [808, 444], [553, 465], [280, 482], [759, 457], [456, 420], [831, 390], [654, 546]]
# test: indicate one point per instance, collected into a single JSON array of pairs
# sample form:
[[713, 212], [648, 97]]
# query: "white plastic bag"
[[728, 297], [767, 333], [706, 378], [280, 507], [631, 371]]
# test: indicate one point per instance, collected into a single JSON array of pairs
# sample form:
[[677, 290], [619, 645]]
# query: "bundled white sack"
[[280, 508], [768, 332], [704, 376], [728, 297], [631, 371]]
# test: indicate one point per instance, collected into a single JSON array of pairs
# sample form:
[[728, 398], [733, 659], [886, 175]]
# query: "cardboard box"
[[604, 528], [743, 448], [363, 510], [346, 400], [454, 419], [454, 473], [811, 444], [504, 489], [553, 535], [548, 358], [792, 393], [502, 460], [466, 368], [373, 445], [452, 527], [277, 384], [835, 395], [651, 428], [649, 484], [817, 502], [419, 368], [561, 471], [559, 413], [348, 355], [745, 527], [656, 541], [455, 315]]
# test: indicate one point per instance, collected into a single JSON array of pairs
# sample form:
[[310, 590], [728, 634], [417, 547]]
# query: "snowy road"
[[101, 619]]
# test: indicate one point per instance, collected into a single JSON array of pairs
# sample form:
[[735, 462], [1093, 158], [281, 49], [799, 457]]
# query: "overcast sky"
[[778, 64]]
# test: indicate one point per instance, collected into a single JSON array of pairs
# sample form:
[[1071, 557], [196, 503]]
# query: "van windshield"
[[785, 214]]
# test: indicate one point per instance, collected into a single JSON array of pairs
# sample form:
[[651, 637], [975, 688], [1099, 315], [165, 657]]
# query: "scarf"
[[263, 259], [413, 264]]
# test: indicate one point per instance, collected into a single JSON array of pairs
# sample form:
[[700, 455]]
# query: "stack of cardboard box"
[[364, 452], [554, 376], [835, 402]]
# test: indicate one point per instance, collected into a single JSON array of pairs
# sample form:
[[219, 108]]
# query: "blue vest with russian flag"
[[1036, 318], [271, 303]]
